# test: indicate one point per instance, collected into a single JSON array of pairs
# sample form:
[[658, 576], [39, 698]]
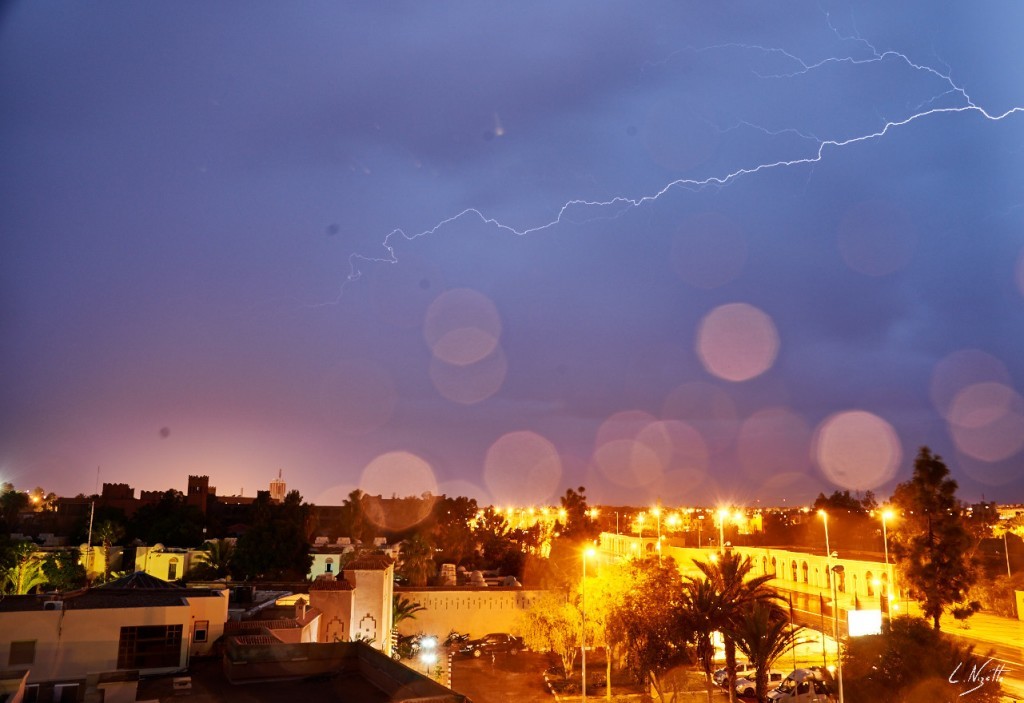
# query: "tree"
[[763, 633], [170, 521], [217, 563], [453, 532], [64, 570], [650, 623], [275, 547], [933, 546], [731, 576], [579, 526], [911, 661], [107, 533], [403, 609], [23, 569], [701, 609], [554, 624], [12, 503], [417, 561]]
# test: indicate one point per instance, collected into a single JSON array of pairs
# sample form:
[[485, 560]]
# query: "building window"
[[22, 653], [65, 693], [200, 631], [330, 565], [172, 569], [149, 647], [31, 693]]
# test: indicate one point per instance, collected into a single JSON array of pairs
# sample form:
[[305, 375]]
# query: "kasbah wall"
[[477, 611]]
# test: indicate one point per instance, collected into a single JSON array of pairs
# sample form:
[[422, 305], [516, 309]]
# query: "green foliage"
[[275, 545], [912, 662], [12, 503], [417, 561], [650, 622], [452, 531], [579, 526], [554, 623], [403, 609], [64, 570], [996, 594], [933, 546], [217, 563], [171, 521], [22, 569], [764, 633]]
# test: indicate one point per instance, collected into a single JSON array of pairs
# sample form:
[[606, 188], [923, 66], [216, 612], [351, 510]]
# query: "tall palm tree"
[[701, 610], [107, 533], [218, 556], [763, 633], [730, 574], [417, 560], [25, 572]]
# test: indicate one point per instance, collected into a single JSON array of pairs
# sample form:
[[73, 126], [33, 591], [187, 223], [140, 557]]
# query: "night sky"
[[700, 252]]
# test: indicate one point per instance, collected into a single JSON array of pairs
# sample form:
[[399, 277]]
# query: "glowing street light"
[[722, 515], [588, 552], [656, 512], [886, 516], [837, 569], [824, 517]]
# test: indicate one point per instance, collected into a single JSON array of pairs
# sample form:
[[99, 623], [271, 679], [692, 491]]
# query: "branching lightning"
[[618, 205]]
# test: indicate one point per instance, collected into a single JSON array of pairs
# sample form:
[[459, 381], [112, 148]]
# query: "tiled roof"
[[142, 581], [256, 639], [333, 585], [369, 562]]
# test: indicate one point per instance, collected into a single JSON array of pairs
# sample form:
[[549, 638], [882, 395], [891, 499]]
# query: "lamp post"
[[700, 527], [824, 517], [656, 512], [583, 650], [886, 516], [837, 569], [722, 514]]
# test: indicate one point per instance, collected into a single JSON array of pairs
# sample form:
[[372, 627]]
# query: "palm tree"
[[701, 610], [418, 560], [730, 576], [403, 609], [107, 532], [763, 633], [25, 573], [218, 559]]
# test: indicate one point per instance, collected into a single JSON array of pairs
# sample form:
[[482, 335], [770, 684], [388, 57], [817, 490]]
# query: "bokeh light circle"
[[737, 342], [857, 450], [961, 369], [522, 468], [708, 408], [629, 463], [356, 397], [462, 326], [472, 383], [401, 474], [986, 421], [678, 446], [625, 424]]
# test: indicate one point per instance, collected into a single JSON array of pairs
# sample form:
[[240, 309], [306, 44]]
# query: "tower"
[[198, 492], [278, 489]]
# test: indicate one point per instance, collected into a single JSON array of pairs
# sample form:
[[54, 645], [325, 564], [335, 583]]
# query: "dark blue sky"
[[696, 251]]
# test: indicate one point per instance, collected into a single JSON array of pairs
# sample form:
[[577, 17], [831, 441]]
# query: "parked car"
[[812, 685], [747, 687], [494, 642], [742, 670]]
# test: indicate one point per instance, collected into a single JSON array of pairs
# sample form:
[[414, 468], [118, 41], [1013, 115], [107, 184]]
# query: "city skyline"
[[688, 254]]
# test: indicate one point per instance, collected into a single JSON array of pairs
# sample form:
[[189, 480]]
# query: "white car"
[[742, 670], [747, 687]]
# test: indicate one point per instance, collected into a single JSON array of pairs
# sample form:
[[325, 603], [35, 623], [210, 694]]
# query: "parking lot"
[[503, 679]]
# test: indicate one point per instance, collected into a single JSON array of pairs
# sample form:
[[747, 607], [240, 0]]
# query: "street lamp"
[[886, 516], [656, 512], [824, 518], [837, 569], [588, 552]]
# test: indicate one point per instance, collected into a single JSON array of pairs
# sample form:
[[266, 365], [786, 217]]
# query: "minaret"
[[278, 490]]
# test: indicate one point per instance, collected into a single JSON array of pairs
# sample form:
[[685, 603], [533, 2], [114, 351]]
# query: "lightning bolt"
[[612, 208]]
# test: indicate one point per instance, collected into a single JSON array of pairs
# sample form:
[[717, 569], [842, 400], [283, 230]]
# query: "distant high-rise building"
[[278, 489]]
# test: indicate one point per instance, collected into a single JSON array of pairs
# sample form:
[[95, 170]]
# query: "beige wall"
[[477, 611], [336, 618], [213, 609], [72, 643], [372, 605], [157, 562]]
